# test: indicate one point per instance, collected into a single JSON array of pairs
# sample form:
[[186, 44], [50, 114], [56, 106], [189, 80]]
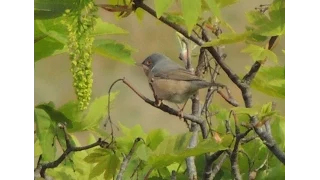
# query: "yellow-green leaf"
[[105, 28], [273, 25], [37, 148], [227, 38], [191, 10], [214, 7], [45, 132], [259, 53], [143, 152], [224, 3], [139, 14], [175, 149], [249, 111], [100, 167], [113, 50], [161, 6], [271, 81], [112, 166]]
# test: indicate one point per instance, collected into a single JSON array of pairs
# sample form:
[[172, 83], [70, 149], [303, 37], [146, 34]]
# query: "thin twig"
[[136, 169], [250, 163], [246, 140], [127, 158], [69, 149], [109, 107], [148, 174]]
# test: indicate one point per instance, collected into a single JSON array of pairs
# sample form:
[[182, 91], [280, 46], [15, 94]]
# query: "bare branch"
[[229, 99], [127, 158], [70, 148], [217, 168]]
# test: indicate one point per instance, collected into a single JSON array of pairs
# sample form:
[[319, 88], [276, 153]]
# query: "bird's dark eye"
[[148, 63]]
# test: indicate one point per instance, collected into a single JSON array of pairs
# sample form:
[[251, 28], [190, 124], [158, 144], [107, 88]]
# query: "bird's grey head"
[[154, 59]]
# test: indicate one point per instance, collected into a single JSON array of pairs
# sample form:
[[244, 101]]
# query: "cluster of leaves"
[[160, 153]]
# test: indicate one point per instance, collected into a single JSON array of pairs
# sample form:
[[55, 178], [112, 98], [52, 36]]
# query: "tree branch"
[[217, 168], [190, 161], [126, 160], [70, 148], [207, 174], [244, 87]]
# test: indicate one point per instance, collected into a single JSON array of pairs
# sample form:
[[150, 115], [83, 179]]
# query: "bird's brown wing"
[[177, 74]]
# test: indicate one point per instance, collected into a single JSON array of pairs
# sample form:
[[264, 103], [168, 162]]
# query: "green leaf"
[[254, 37], [105, 28], [224, 3], [139, 14], [71, 111], [143, 152], [214, 7], [175, 149], [259, 53], [100, 167], [161, 6], [266, 111], [273, 26], [271, 81], [113, 50], [133, 132], [175, 18], [96, 112], [278, 131], [48, 47], [37, 148], [47, 9], [111, 169], [249, 111], [155, 137], [227, 38], [276, 172], [53, 28], [90, 119], [97, 155], [55, 115], [45, 132], [191, 10]]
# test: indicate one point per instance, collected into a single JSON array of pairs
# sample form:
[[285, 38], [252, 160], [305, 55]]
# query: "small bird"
[[170, 81]]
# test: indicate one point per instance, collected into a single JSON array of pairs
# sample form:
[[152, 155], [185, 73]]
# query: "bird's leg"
[[180, 113], [157, 101]]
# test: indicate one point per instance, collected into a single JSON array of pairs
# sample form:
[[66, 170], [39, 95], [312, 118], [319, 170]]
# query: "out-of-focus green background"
[[53, 79]]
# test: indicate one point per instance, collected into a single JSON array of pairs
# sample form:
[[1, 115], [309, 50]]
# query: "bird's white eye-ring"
[[148, 62]]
